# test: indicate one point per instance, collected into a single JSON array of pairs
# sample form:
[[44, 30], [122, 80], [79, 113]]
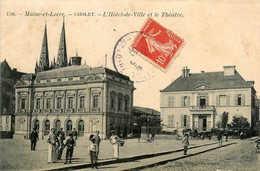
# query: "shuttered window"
[[171, 101], [170, 121], [185, 121], [186, 101], [240, 100], [222, 100]]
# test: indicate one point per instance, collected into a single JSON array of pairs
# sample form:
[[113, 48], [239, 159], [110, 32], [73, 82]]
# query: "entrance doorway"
[[202, 123]]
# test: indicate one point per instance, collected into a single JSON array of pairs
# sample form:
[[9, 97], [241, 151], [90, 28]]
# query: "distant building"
[[146, 120], [87, 98], [197, 101], [7, 103]]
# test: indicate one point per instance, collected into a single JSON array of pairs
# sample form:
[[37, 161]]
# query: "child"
[[93, 150], [70, 143]]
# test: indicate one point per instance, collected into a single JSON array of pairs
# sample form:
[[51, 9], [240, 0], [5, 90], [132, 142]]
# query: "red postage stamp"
[[157, 43]]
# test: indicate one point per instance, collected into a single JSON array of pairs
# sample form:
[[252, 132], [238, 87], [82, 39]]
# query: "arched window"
[[81, 127], [47, 127], [120, 99], [57, 125], [37, 124], [112, 100], [69, 127], [126, 103]]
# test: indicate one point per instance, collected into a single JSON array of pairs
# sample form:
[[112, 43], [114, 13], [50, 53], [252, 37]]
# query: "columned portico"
[[202, 118]]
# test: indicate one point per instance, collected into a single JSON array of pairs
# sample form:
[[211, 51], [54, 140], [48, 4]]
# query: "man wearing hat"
[[70, 143], [93, 151], [34, 137]]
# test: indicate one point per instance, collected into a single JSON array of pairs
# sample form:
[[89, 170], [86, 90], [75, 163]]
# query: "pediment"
[[20, 83], [203, 87], [91, 78]]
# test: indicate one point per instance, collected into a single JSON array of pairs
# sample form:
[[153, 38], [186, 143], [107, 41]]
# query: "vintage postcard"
[[130, 85]]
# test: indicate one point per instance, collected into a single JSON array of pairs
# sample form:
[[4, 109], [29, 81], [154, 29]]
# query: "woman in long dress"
[[114, 140], [52, 140]]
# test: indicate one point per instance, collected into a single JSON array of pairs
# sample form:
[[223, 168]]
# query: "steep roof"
[[210, 80]]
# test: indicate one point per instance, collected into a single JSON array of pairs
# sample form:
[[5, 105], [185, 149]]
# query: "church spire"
[[62, 52], [44, 57]]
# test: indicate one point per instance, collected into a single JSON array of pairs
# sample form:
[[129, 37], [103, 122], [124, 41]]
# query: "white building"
[[197, 101]]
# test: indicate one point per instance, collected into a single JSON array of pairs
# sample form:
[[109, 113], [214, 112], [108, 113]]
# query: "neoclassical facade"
[[197, 101], [77, 96]]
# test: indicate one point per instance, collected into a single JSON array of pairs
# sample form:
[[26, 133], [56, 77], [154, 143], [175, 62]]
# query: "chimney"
[[183, 72], [229, 70], [251, 83], [187, 72]]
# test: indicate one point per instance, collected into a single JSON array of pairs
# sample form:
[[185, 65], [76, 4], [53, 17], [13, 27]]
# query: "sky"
[[216, 35]]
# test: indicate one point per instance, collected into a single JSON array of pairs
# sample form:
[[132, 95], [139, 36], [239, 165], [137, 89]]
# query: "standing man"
[[219, 139], [52, 140], [75, 134], [62, 134], [70, 143], [34, 138], [97, 141], [185, 143], [114, 140], [60, 146]]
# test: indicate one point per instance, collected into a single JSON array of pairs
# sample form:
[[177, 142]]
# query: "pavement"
[[16, 154]]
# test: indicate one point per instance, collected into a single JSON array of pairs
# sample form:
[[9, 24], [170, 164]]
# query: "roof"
[[208, 80], [77, 71], [144, 110]]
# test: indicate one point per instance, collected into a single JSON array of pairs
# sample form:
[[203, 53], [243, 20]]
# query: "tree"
[[239, 122], [224, 120]]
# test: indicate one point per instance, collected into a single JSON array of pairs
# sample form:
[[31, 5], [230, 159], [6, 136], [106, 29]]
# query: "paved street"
[[241, 156], [16, 154]]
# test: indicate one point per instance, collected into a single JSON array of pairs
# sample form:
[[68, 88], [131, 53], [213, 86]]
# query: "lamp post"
[[147, 128]]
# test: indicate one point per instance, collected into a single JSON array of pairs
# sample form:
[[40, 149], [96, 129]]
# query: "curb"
[[177, 158], [121, 160]]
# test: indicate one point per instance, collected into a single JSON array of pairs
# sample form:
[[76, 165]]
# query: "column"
[[212, 121], [17, 97], [191, 121]]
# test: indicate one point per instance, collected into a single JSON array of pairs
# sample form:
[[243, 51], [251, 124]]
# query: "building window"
[[7, 120], [48, 103], [113, 99], [38, 103], [126, 103], [69, 127], [170, 101], [47, 127], [58, 125], [185, 120], [81, 128], [120, 97], [222, 100], [1, 119], [185, 101], [70, 105], [170, 121], [239, 99], [37, 124], [202, 101], [82, 102], [59, 103], [95, 101], [23, 104]]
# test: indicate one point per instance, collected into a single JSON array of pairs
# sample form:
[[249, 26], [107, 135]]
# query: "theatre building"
[[70, 95], [198, 100]]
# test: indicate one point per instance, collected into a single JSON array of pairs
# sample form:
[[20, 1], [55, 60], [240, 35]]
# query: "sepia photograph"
[[130, 85]]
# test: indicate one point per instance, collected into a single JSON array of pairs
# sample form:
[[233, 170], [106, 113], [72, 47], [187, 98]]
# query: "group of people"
[[57, 145]]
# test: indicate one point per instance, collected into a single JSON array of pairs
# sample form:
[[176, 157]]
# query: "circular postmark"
[[126, 60]]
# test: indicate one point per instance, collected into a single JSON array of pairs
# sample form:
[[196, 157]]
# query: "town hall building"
[[197, 101], [66, 94]]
